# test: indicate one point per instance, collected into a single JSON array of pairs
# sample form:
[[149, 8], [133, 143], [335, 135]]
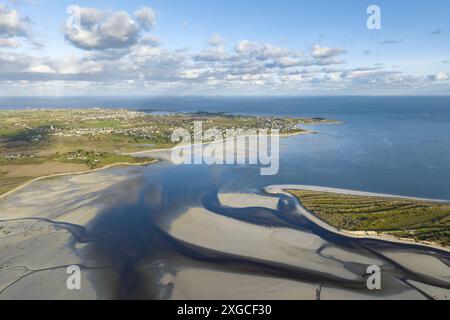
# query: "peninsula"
[[37, 143]]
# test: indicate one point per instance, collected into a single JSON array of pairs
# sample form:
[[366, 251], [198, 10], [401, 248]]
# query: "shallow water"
[[398, 149]]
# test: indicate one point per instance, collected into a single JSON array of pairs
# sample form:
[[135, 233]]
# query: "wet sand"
[[133, 240]]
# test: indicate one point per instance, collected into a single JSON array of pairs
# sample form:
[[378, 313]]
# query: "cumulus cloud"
[[155, 69], [440, 76], [261, 51], [216, 51], [285, 62], [150, 40], [216, 40], [120, 54], [94, 29], [369, 74], [146, 64], [41, 68], [320, 52], [146, 17], [11, 25], [8, 43]]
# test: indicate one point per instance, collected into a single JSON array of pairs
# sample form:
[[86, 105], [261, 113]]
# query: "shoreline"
[[281, 135], [26, 184], [282, 189], [2, 196], [353, 192]]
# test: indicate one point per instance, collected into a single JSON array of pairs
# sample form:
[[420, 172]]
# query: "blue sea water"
[[398, 145]]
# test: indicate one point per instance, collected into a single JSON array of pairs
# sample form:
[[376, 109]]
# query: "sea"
[[395, 145]]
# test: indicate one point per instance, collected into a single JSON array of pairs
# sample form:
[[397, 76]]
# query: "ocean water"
[[398, 145]]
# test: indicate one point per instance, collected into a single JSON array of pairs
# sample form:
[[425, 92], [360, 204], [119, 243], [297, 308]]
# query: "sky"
[[223, 47]]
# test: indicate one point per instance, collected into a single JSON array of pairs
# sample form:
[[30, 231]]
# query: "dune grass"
[[405, 218]]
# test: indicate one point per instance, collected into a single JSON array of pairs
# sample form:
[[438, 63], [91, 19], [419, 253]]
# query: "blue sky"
[[216, 47]]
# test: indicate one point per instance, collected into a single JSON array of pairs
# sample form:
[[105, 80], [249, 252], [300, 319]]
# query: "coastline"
[[282, 135], [353, 192], [281, 189], [2, 196], [128, 164]]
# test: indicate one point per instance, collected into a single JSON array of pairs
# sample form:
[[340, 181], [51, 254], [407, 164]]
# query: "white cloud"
[[150, 68], [334, 77], [146, 17], [216, 40], [287, 62], [10, 23], [120, 55], [261, 51], [150, 40], [320, 52], [9, 43], [216, 52], [440, 76], [245, 46], [41, 68], [93, 29]]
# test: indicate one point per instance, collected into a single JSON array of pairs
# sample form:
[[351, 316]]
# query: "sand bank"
[[293, 248], [281, 189], [244, 200], [72, 198], [74, 173], [303, 252]]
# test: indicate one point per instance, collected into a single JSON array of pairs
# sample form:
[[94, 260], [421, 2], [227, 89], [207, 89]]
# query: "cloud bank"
[[117, 52]]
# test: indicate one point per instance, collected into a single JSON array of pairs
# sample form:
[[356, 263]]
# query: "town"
[[40, 142]]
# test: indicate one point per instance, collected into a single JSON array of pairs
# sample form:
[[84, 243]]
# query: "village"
[[139, 125]]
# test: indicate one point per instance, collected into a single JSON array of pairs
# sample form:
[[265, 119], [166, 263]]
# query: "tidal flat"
[[214, 232], [135, 237]]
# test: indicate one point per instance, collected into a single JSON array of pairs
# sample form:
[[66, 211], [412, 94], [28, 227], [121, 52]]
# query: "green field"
[[404, 218], [95, 160], [40, 142], [45, 131]]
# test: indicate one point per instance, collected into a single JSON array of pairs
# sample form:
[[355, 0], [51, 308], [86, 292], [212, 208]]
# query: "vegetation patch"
[[100, 137], [405, 218], [93, 159]]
